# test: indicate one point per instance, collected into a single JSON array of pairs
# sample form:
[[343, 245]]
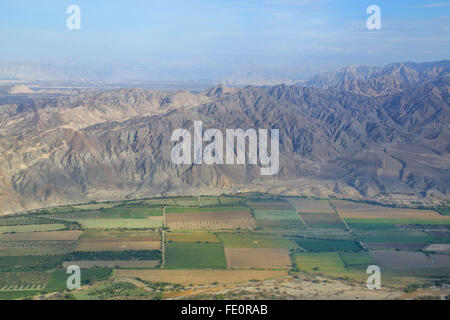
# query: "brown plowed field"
[[257, 258]]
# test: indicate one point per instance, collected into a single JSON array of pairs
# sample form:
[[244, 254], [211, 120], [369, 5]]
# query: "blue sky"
[[272, 32]]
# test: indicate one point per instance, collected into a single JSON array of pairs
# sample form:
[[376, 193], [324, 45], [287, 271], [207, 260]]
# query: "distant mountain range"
[[240, 73], [357, 132]]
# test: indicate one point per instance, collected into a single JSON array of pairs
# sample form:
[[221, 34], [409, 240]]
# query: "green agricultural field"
[[92, 223], [319, 245], [196, 209], [230, 200], [331, 234], [126, 212], [320, 262], [358, 260], [363, 224], [207, 201], [14, 263], [118, 212], [113, 255], [13, 295], [206, 237], [58, 280], [253, 240], [28, 219], [32, 228], [393, 221], [194, 256], [404, 236], [59, 210], [327, 263]]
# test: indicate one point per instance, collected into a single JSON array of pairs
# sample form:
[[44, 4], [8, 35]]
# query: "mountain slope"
[[115, 145]]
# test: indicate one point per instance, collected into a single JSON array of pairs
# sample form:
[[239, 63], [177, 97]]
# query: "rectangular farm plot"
[[399, 236], [311, 206], [126, 212], [252, 240], [319, 245], [32, 228], [278, 219], [32, 248], [117, 244], [148, 235], [357, 260], [394, 245], [194, 256], [270, 205], [200, 277], [277, 215], [46, 262], [403, 260], [323, 220], [24, 280], [328, 262], [205, 237], [92, 223], [354, 210], [179, 210], [260, 258], [42, 236], [212, 220], [113, 264], [58, 280]]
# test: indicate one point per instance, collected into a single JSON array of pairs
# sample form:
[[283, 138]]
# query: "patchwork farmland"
[[206, 218], [203, 242]]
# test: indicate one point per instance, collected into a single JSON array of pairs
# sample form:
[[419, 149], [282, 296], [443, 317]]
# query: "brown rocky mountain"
[[358, 133]]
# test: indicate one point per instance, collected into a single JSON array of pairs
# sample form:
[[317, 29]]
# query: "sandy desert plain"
[[245, 246]]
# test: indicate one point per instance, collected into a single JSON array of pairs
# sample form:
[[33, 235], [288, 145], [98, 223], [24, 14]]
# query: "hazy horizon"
[[220, 40]]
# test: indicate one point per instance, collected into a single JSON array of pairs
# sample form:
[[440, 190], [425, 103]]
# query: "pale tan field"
[[257, 258], [117, 244], [348, 209], [136, 235], [42, 236], [311, 206], [444, 247], [211, 220], [112, 264], [197, 277], [192, 237]]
